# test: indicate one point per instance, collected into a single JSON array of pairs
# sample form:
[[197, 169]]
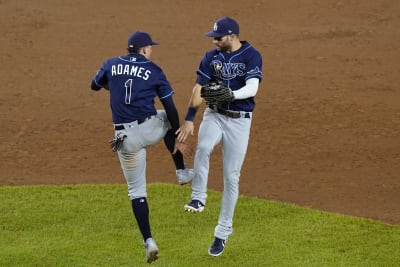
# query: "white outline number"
[[128, 91]]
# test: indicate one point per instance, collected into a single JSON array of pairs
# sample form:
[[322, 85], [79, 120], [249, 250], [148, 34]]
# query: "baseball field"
[[89, 225], [326, 127]]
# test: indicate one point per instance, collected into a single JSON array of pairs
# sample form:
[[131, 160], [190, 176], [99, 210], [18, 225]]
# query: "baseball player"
[[237, 65], [133, 82]]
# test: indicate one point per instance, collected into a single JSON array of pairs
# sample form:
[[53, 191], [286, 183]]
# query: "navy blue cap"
[[224, 26], [140, 39]]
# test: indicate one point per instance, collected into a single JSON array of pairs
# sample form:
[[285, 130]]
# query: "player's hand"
[[184, 131], [185, 149]]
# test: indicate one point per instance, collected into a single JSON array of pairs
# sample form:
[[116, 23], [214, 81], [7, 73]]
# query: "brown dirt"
[[326, 131]]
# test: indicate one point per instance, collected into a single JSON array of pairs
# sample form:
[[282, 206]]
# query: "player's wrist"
[[191, 113]]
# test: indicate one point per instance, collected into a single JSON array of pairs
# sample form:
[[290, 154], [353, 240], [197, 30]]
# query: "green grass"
[[92, 225]]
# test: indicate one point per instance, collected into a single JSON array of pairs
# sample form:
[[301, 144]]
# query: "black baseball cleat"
[[194, 206], [217, 247]]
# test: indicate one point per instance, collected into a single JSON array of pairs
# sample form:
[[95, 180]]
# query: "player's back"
[[127, 69], [134, 82]]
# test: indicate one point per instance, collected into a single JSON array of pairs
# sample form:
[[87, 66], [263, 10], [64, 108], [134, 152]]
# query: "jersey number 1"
[[128, 91]]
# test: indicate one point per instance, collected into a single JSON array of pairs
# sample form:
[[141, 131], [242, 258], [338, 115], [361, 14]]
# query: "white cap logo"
[[215, 28]]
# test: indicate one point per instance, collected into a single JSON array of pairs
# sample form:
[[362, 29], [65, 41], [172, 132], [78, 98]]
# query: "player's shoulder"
[[246, 46], [110, 59], [250, 52], [212, 52], [114, 60]]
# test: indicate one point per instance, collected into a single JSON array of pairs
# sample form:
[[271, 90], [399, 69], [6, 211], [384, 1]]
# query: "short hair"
[[133, 49]]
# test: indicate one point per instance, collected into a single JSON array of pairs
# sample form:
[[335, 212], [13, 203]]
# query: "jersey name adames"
[[131, 70]]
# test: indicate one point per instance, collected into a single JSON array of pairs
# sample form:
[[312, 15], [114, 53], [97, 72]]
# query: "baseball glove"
[[116, 142], [216, 93]]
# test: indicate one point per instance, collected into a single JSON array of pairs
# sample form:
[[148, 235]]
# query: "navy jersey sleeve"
[[100, 79], [254, 66], [165, 93], [164, 88]]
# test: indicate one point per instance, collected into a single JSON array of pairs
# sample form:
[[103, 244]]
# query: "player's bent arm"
[[173, 118], [249, 90], [94, 86], [195, 101], [172, 112]]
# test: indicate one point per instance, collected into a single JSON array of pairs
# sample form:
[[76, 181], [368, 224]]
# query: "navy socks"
[[141, 211]]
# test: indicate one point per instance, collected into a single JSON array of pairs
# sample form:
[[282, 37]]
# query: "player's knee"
[[128, 161], [231, 176], [134, 193], [204, 149]]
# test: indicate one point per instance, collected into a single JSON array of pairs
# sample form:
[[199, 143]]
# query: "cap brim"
[[214, 34], [154, 43]]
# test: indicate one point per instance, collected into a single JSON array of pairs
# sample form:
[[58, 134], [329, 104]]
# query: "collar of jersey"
[[139, 58]]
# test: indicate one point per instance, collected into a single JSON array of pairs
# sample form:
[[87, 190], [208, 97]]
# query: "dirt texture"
[[326, 128]]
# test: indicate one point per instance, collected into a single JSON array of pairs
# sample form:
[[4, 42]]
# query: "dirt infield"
[[326, 129]]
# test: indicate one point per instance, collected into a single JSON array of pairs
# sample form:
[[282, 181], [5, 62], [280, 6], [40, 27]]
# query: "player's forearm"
[[172, 112], [94, 86], [194, 103], [249, 90], [196, 100]]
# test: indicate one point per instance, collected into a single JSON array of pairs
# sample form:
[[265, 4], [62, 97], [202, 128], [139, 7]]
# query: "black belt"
[[231, 113], [119, 127], [139, 121]]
